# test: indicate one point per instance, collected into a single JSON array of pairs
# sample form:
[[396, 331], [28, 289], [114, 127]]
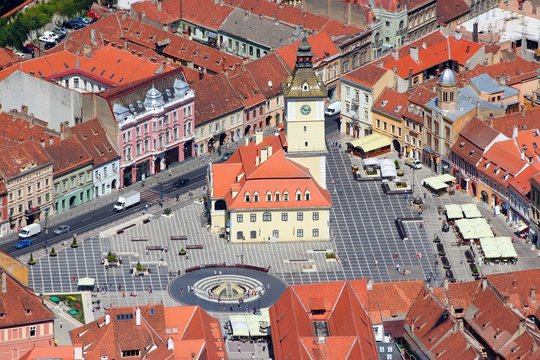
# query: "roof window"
[[247, 197], [384, 102]]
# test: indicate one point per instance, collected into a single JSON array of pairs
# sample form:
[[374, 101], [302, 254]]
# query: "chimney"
[[257, 160], [533, 293], [370, 284], [107, 319], [270, 151], [515, 132], [258, 137], [138, 317], [87, 50], [410, 78], [468, 49], [246, 140], [475, 32], [201, 73], [523, 110], [77, 352], [264, 154], [445, 283], [51, 140], [522, 327], [395, 54], [42, 142], [159, 6], [484, 283], [65, 130], [93, 37], [413, 51], [170, 344], [4, 283]]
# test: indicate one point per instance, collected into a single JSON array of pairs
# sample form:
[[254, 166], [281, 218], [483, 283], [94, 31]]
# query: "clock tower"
[[304, 95]]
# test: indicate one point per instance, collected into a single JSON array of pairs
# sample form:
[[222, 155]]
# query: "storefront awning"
[[446, 178], [373, 142], [498, 247], [453, 211], [471, 211], [239, 325], [474, 228], [435, 184]]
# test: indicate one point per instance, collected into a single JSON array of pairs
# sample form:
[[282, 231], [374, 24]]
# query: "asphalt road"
[[104, 215]]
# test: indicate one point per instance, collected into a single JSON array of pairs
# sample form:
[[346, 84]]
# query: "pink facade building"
[[25, 322], [153, 121]]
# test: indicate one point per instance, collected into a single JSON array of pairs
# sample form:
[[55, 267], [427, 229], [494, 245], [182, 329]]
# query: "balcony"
[[401, 32], [377, 44]]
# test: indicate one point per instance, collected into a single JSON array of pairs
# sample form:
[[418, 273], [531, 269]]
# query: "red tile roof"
[[242, 174], [25, 156], [473, 140], [108, 65], [502, 162], [7, 57], [195, 332], [50, 352], [95, 140], [14, 129], [391, 102], [207, 13], [268, 72], [246, 88], [450, 10], [521, 183], [367, 75], [69, 154], [28, 307], [523, 121], [519, 288], [516, 71], [433, 49], [382, 307], [322, 47], [337, 305], [214, 97]]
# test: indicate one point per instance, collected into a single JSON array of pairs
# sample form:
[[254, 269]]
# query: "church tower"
[[304, 95], [447, 90]]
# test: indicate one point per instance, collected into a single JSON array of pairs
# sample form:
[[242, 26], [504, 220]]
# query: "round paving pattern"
[[227, 289]]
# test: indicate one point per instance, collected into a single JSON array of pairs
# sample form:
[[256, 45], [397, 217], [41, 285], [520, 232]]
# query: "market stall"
[[474, 228], [453, 212], [471, 211], [498, 248]]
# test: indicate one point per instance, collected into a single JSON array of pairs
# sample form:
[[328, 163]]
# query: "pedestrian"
[[425, 195], [61, 324], [181, 291]]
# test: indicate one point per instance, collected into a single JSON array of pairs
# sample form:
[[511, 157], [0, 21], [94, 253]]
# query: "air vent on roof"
[[534, 145], [131, 108], [152, 311], [103, 72], [461, 144], [92, 69], [398, 108], [66, 65], [384, 102], [110, 77], [524, 147], [471, 153], [124, 316], [118, 60], [121, 79], [41, 74]]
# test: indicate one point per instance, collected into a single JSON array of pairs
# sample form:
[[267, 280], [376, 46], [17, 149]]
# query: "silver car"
[[62, 229]]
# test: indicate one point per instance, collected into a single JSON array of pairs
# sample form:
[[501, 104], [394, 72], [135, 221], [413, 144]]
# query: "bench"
[[155, 247], [139, 239], [194, 247], [178, 237]]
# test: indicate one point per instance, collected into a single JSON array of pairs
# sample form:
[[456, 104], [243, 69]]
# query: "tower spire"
[[304, 55]]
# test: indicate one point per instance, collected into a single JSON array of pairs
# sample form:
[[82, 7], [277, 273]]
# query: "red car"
[[93, 15]]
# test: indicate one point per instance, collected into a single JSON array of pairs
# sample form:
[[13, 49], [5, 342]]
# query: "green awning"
[[54, 299], [73, 312]]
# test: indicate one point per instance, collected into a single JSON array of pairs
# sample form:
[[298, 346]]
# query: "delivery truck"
[[126, 200], [29, 231]]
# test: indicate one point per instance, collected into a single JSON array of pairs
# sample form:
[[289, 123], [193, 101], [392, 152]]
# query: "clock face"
[[305, 109]]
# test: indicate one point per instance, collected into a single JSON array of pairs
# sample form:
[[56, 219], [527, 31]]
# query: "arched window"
[[267, 216], [269, 196], [247, 197], [276, 196], [298, 196], [307, 195], [285, 196], [256, 197]]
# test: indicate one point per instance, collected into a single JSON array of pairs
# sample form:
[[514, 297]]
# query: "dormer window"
[[307, 195], [256, 197], [285, 196], [298, 196], [276, 196], [269, 196], [247, 197], [305, 86]]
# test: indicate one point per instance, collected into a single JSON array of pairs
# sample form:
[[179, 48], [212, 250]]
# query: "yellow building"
[[273, 189], [387, 111]]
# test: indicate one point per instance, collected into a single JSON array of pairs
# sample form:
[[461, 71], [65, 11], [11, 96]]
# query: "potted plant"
[[330, 256], [31, 262], [112, 258], [74, 244], [53, 252], [396, 163], [400, 173], [140, 270], [436, 239], [182, 252]]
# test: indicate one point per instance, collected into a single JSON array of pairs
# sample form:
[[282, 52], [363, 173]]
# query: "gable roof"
[[69, 154], [96, 141], [215, 97], [433, 49], [382, 307], [525, 120], [391, 103], [28, 307], [322, 47], [448, 11], [367, 75], [514, 71], [22, 157], [16, 128], [268, 72]]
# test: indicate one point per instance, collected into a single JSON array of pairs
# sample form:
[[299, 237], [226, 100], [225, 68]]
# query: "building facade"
[[421, 18], [534, 229]]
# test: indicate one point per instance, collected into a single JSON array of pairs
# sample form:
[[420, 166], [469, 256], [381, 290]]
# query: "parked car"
[[180, 183], [74, 25], [48, 45], [59, 31], [23, 243], [62, 229], [84, 20], [51, 35], [47, 39], [226, 156], [20, 54], [93, 15]]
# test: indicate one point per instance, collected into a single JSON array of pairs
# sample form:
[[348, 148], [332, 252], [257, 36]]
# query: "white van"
[[29, 231], [333, 109]]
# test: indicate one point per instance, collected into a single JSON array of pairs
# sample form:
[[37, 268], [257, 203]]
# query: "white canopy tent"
[[471, 211], [239, 325], [388, 168], [86, 281], [474, 228], [250, 324], [371, 162], [498, 247], [453, 211]]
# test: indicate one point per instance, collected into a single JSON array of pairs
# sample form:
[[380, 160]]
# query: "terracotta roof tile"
[[382, 307], [67, 155], [523, 121], [28, 309], [516, 70], [214, 97], [14, 129], [246, 89], [502, 162], [22, 157], [433, 49], [391, 102], [449, 10], [322, 47], [367, 75], [50, 352], [520, 289], [269, 72], [95, 140], [7, 57]]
